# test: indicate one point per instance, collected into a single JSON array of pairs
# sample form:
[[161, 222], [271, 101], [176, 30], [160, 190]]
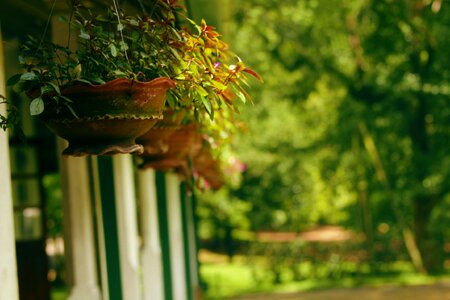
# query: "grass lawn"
[[224, 280], [59, 294], [242, 277]]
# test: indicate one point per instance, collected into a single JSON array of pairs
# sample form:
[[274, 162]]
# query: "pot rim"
[[122, 83]]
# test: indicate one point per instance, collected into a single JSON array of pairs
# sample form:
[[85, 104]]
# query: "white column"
[[78, 217], [100, 232], [176, 237], [8, 267], [152, 271], [80, 232], [127, 226]]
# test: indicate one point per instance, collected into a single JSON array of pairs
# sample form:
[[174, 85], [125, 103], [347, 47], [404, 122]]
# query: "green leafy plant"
[[114, 44], [12, 116]]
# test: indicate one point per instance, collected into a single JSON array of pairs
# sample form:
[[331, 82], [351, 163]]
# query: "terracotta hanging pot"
[[154, 140], [110, 116], [208, 168], [183, 143]]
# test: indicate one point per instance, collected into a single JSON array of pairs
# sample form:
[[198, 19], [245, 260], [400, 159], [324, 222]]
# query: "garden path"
[[439, 291]]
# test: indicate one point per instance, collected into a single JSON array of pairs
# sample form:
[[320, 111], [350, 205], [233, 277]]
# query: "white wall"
[[8, 268]]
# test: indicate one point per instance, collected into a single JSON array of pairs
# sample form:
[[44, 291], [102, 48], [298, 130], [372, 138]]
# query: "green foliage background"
[[351, 126]]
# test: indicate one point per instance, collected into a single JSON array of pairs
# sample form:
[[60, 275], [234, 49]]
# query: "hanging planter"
[[117, 57], [208, 168], [182, 144], [154, 140], [109, 117]]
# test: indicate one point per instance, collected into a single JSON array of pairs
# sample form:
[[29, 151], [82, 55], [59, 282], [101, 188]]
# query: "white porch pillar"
[[80, 232], [152, 271], [98, 219], [78, 223], [176, 237], [127, 226], [8, 267]]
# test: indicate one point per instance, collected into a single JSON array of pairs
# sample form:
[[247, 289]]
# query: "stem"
[[153, 9], [70, 24], [59, 71], [143, 7], [109, 60], [46, 26], [120, 23]]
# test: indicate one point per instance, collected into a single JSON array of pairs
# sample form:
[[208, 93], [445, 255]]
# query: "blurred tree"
[[220, 215], [54, 210], [354, 111]]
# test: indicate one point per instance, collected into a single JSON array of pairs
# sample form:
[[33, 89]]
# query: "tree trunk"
[[430, 245], [407, 235], [366, 220], [228, 241]]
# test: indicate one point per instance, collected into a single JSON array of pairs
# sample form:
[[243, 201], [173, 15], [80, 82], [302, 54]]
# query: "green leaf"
[[55, 87], [135, 36], [175, 52], [241, 96], [113, 50], [201, 91], [102, 18], [13, 80], [119, 73], [97, 80], [133, 22], [218, 85], [245, 96], [120, 27], [29, 76], [207, 105], [66, 99], [46, 89], [36, 106], [171, 100], [123, 46], [84, 35], [71, 110], [83, 80], [197, 115]]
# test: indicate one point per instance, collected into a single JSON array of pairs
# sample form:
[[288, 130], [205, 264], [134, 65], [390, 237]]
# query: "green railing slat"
[[164, 233], [108, 197]]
